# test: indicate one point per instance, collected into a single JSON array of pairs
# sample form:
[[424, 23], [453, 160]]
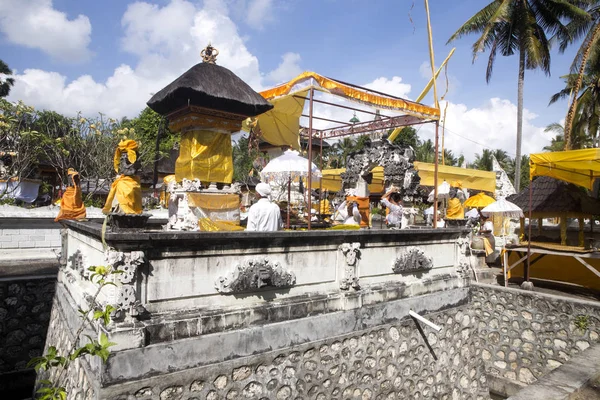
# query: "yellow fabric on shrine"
[[580, 167], [208, 225], [455, 209], [164, 198], [128, 193], [281, 125], [214, 201], [480, 200], [469, 178], [71, 204], [488, 246], [562, 268], [130, 146], [205, 155], [343, 90]]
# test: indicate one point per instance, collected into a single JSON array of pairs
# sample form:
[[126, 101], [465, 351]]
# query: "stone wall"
[[28, 233], [525, 335], [25, 307], [392, 361]]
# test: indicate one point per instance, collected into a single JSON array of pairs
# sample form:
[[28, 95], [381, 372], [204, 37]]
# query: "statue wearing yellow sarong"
[[71, 204], [125, 194]]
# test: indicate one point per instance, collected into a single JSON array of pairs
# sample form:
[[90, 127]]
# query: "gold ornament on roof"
[[209, 54]]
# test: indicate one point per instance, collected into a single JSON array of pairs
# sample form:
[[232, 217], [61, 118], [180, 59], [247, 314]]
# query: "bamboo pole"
[[310, 133]]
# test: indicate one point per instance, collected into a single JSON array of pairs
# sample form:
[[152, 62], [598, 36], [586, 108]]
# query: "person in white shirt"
[[353, 213], [392, 200], [264, 215]]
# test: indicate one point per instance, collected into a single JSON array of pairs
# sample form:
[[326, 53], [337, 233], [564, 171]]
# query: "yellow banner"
[[205, 155]]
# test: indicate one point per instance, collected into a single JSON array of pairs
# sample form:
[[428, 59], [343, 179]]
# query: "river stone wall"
[[25, 306], [525, 335], [393, 361]]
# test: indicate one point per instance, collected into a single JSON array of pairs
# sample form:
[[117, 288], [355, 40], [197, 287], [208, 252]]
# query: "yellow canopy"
[[469, 178], [280, 126], [311, 79], [580, 167]]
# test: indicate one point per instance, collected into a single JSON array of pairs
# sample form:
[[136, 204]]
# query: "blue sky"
[[109, 56]]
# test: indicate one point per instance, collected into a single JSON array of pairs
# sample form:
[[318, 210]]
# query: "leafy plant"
[[582, 322], [52, 390]]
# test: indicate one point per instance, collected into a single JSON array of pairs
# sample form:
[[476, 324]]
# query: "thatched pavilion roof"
[[209, 86], [554, 197]]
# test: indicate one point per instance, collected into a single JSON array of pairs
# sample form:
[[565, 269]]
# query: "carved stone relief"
[[351, 252], [129, 263], [463, 256], [255, 274], [397, 163], [411, 260]]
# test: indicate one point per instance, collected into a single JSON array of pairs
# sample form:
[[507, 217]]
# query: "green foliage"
[[582, 322], [50, 390], [243, 159], [407, 137], [6, 83], [144, 129], [93, 202]]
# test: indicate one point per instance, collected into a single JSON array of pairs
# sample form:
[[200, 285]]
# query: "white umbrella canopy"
[[473, 213], [288, 165], [504, 208], [443, 192]]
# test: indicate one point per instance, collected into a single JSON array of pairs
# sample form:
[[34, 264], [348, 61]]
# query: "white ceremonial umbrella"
[[472, 213], [443, 192], [286, 168], [503, 208]]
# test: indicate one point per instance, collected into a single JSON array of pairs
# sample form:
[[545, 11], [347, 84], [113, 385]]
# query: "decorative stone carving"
[[351, 252], [125, 296], [504, 186], [184, 218], [411, 260], [463, 256], [397, 163], [255, 274]]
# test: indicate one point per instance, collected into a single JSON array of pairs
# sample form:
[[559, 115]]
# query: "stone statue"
[[125, 196]]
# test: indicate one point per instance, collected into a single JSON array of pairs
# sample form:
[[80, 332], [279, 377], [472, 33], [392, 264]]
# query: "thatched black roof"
[[210, 86], [551, 195]]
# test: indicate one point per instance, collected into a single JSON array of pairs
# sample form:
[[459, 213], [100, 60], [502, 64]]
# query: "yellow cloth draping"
[[214, 201], [208, 225], [455, 209], [205, 155], [352, 93], [128, 192], [580, 167], [561, 268], [489, 249], [281, 125], [71, 204], [164, 198], [129, 146], [332, 181], [470, 178], [480, 200]]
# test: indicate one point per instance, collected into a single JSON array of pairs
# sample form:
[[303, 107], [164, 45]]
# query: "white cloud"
[[36, 24], [393, 86], [287, 69], [425, 70], [491, 125], [259, 13], [167, 41]]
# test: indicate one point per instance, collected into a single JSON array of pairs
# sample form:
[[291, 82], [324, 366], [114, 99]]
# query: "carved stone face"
[[127, 168]]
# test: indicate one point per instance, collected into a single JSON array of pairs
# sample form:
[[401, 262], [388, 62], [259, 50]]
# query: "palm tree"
[[484, 161], [449, 158], [589, 29], [7, 83], [558, 142], [585, 120], [345, 146], [509, 26], [425, 152]]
